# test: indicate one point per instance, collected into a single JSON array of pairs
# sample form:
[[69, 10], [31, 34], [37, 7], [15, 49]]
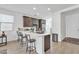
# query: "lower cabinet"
[[46, 42]]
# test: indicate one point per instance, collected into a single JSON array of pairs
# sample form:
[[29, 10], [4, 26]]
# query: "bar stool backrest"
[[19, 33], [27, 36]]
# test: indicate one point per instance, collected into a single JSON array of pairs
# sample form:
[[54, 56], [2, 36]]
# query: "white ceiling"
[[42, 9]]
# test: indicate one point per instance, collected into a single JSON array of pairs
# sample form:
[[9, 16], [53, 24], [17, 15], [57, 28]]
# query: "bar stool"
[[20, 37], [30, 44]]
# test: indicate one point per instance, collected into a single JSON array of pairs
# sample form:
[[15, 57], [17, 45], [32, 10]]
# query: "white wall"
[[64, 20], [17, 23], [48, 25], [56, 24], [72, 25], [63, 26]]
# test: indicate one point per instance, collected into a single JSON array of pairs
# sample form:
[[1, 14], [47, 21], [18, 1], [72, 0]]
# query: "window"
[[6, 22]]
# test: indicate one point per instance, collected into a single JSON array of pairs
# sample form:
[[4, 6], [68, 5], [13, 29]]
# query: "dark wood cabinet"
[[33, 22], [46, 42], [40, 24], [27, 21]]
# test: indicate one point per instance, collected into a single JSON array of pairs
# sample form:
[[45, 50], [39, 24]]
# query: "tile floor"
[[14, 48], [64, 48], [57, 48]]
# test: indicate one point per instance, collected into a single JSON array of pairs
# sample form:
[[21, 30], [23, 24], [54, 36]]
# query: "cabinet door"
[[46, 42], [27, 21], [40, 24]]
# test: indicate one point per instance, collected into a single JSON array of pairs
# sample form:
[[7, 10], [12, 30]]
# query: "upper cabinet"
[[27, 21], [33, 22]]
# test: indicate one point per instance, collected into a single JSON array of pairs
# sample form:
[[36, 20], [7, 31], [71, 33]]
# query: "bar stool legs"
[[30, 47]]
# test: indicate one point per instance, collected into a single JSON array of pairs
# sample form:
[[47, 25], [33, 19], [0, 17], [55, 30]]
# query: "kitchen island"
[[42, 41]]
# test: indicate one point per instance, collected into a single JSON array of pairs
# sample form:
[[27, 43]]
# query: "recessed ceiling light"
[[34, 8], [49, 9]]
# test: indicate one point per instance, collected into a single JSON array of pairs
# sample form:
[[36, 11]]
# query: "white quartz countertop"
[[34, 33], [43, 34]]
